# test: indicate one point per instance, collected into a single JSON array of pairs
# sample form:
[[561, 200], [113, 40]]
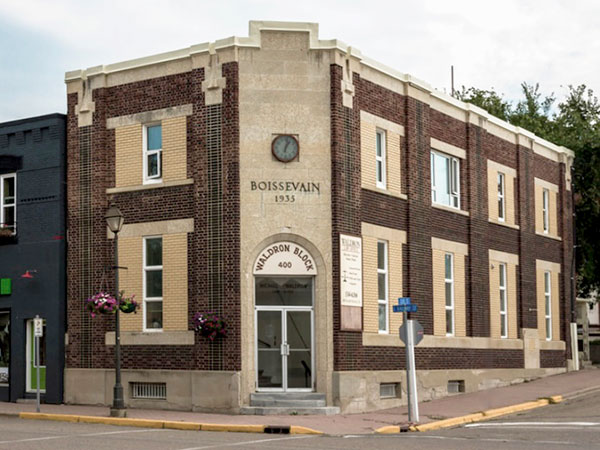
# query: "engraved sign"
[[351, 270], [285, 258]]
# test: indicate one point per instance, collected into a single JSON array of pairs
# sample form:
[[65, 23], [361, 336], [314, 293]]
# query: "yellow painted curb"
[[389, 429], [555, 399], [43, 416], [189, 426], [515, 408], [452, 422], [232, 428], [144, 423], [296, 429]]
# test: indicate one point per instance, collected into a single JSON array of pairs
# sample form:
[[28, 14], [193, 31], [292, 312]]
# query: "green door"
[[32, 366]]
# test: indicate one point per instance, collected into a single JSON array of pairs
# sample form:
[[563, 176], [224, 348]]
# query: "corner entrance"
[[284, 276]]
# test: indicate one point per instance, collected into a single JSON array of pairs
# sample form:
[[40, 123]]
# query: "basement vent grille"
[[456, 386], [389, 390], [154, 391]]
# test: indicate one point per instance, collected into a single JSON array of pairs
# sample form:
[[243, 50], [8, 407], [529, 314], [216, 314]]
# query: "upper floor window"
[[152, 153], [153, 284], [501, 197], [449, 292], [8, 203], [380, 159], [546, 210], [445, 182], [382, 285]]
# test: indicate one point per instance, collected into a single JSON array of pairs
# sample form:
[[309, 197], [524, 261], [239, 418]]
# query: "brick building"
[[297, 188]]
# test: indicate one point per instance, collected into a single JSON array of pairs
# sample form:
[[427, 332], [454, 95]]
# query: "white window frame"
[[383, 301], [146, 153], [380, 159], [450, 307], [548, 304], [501, 197], [502, 272], [546, 210], [453, 182], [6, 176], [147, 269]]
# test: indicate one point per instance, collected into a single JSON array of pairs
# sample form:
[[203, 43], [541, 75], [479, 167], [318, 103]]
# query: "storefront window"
[[4, 347]]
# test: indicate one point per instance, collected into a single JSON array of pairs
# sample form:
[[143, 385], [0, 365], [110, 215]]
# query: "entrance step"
[[288, 403]]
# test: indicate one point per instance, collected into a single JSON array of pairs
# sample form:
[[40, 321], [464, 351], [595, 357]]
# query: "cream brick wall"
[[554, 306], [368, 150], [175, 282], [174, 149], [509, 196], [128, 156], [439, 296], [130, 280], [511, 299], [370, 291]]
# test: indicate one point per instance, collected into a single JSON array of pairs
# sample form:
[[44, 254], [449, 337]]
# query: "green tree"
[[574, 124]]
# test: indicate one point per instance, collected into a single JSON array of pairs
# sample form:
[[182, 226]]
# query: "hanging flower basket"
[[210, 325], [128, 305], [101, 303]]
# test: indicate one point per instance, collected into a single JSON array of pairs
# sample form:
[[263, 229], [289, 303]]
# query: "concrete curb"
[[171, 425], [476, 417]]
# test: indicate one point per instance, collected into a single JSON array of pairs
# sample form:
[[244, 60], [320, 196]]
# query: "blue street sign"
[[404, 300], [404, 305]]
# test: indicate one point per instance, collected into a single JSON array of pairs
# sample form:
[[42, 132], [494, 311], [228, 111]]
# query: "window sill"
[[450, 209], [504, 224], [385, 191], [151, 338], [552, 345], [556, 238], [429, 341], [142, 187]]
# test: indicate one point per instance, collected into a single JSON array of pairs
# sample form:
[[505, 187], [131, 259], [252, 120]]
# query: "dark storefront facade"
[[32, 255]]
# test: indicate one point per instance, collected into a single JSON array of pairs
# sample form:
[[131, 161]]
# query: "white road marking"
[[532, 424], [64, 436], [451, 438], [237, 444]]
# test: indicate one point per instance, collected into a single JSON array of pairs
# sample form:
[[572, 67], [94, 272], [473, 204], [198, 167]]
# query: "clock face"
[[285, 147]]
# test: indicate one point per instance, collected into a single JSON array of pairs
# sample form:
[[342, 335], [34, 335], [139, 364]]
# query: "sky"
[[490, 44]]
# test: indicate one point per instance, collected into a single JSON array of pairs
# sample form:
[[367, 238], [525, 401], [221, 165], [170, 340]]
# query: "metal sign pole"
[[37, 371], [408, 370], [413, 406]]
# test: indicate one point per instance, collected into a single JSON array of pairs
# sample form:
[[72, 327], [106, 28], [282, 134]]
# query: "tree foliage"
[[574, 123]]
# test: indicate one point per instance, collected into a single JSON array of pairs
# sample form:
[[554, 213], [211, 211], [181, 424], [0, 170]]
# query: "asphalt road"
[[574, 424]]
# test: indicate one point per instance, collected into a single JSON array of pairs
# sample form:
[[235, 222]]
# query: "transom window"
[[501, 197], [449, 292], [445, 182], [153, 284], [380, 159], [548, 304], [382, 285], [152, 153], [8, 204], [503, 307], [545, 210]]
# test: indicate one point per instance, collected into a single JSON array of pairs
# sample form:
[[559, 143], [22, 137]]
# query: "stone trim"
[[449, 246], [546, 184], [553, 267], [150, 116], [430, 341], [462, 212], [155, 228], [509, 171], [143, 187], [380, 122], [504, 224], [509, 258], [556, 238], [553, 345], [156, 338], [379, 232], [449, 149]]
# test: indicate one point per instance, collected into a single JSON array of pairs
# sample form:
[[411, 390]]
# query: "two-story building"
[[32, 256], [297, 188]]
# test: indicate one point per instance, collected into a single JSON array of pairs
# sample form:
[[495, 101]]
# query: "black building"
[[32, 255]]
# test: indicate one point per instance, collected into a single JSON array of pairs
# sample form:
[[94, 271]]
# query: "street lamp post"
[[114, 220]]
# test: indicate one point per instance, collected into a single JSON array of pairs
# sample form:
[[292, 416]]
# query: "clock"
[[285, 147]]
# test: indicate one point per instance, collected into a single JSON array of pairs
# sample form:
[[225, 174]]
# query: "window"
[[501, 197], [380, 159], [445, 183], [548, 304], [8, 205], [153, 284], [382, 286], [449, 292], [503, 307], [152, 153], [545, 210]]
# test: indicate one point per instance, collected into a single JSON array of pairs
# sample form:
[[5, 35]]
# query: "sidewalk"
[[567, 385]]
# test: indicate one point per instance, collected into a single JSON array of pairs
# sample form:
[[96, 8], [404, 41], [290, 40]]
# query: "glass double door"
[[284, 344], [284, 333]]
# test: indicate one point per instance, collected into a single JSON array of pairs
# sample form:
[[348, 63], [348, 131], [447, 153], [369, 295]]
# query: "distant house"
[[32, 255]]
